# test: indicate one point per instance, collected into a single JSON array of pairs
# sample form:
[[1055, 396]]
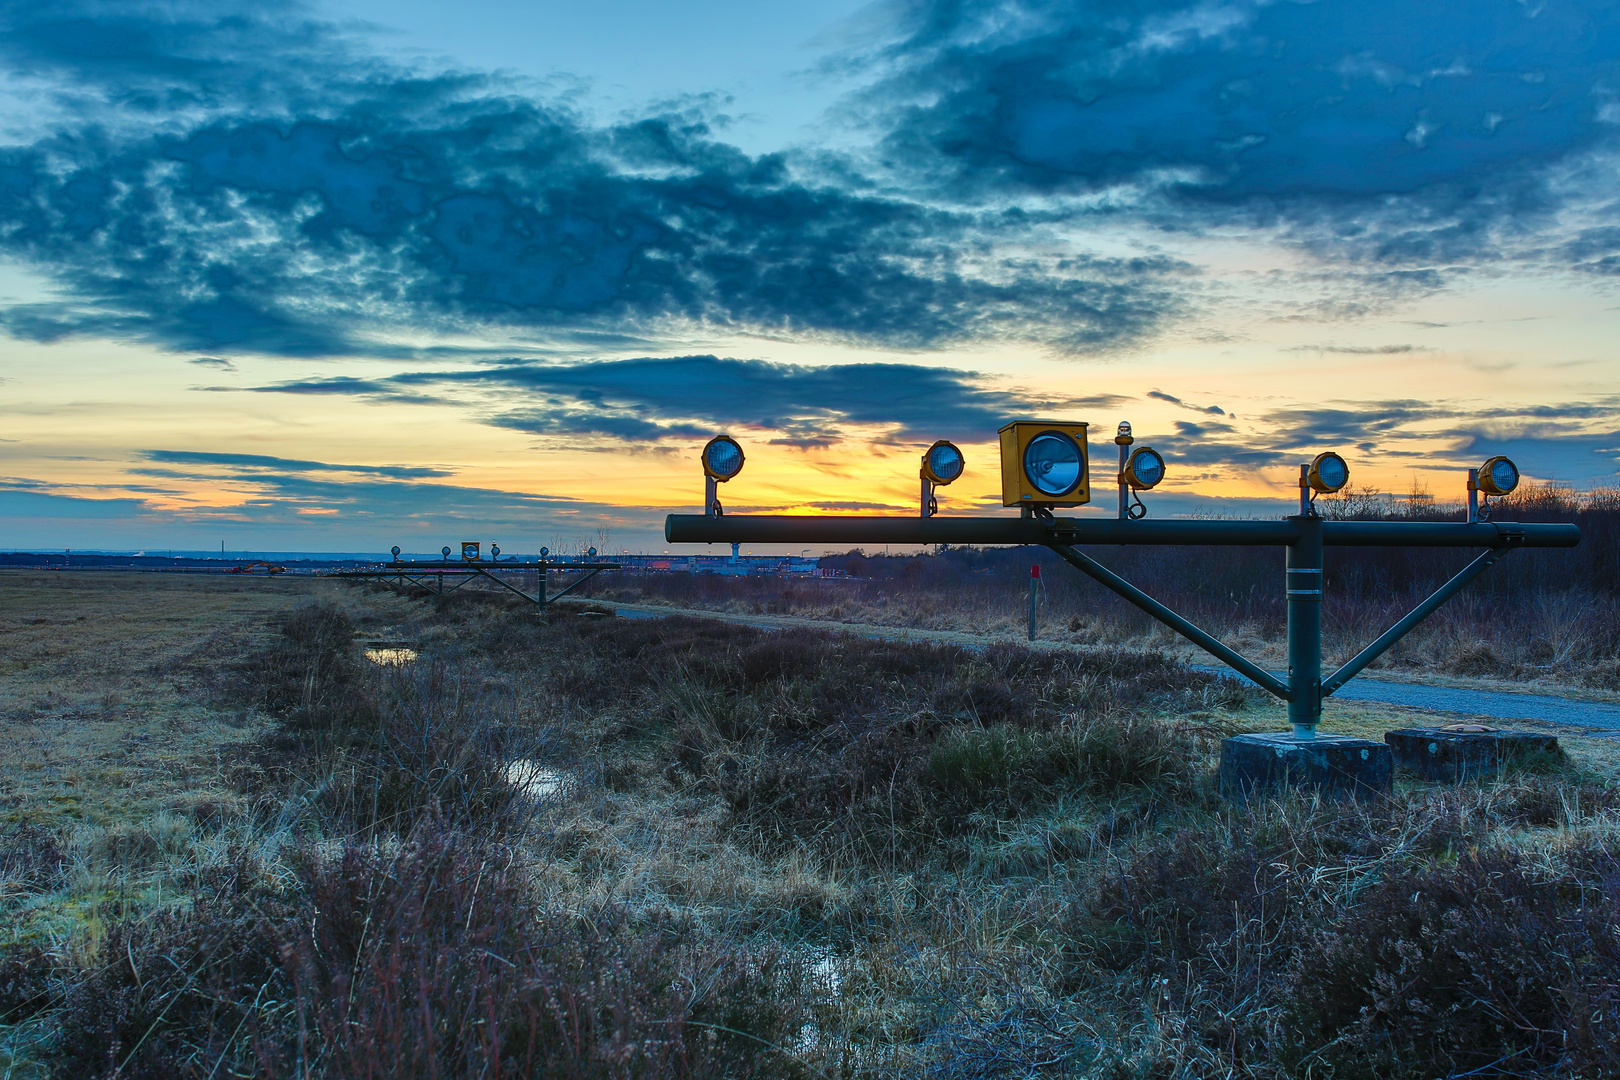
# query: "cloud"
[[1397, 133], [1212, 410], [216, 362], [241, 177], [688, 397], [1572, 441], [252, 462], [1358, 350]]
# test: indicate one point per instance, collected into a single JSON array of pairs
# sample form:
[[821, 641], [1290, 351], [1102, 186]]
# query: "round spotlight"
[[395, 550], [1498, 476], [1145, 469], [1052, 463], [722, 458], [1328, 473], [544, 552], [446, 550], [591, 553], [494, 551], [943, 462]]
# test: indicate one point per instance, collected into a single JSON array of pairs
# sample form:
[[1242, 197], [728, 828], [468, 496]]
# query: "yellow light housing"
[[1044, 463], [1328, 473], [1498, 476], [1144, 469], [469, 550], [943, 463], [722, 458]]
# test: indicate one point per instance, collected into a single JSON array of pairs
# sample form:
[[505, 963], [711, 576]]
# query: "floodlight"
[[544, 552], [1327, 474], [1498, 476], [469, 550], [591, 553], [1145, 469], [395, 550], [494, 551], [943, 463], [722, 458], [1044, 464], [446, 550]]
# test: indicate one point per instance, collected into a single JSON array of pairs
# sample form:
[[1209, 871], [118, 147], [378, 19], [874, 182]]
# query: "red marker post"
[[1034, 583]]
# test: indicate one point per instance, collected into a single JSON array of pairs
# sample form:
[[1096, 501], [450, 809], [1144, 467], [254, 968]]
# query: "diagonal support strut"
[[1389, 637], [1110, 580]]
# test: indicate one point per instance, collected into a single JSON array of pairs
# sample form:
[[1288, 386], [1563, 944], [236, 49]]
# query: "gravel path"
[[1496, 704]]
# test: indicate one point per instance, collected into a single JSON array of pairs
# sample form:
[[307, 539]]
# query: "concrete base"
[[1449, 756], [1335, 765]]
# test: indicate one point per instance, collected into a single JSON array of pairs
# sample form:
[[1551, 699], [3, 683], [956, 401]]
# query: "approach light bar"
[[943, 463], [722, 458], [1144, 469], [1327, 474], [1498, 476], [1044, 463]]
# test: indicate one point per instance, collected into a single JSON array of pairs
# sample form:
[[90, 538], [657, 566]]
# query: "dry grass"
[[726, 852]]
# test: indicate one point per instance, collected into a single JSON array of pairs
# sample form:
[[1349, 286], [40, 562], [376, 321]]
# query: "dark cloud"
[[218, 363], [252, 181], [255, 462], [1160, 395], [693, 396], [1573, 441], [1403, 132], [1358, 350]]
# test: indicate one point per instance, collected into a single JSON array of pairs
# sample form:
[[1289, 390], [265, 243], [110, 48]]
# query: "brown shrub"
[[1483, 968], [426, 963]]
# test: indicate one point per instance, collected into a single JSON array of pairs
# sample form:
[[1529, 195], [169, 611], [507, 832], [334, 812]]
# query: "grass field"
[[582, 846]]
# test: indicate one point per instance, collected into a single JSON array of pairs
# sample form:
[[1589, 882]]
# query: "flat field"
[[573, 845]]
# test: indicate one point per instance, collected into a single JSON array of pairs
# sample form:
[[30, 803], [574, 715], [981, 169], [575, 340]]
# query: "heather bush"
[[427, 961]]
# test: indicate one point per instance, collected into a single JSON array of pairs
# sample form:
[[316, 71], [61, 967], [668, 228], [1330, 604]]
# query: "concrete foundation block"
[[1335, 765], [1467, 751]]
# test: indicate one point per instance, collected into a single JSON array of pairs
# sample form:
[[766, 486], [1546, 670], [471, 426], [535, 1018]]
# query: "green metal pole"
[[1304, 590]]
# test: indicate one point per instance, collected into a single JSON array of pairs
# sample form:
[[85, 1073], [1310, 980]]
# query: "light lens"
[[544, 552], [1052, 463], [446, 552], [1145, 469], [944, 462], [395, 550], [1328, 473], [1498, 476], [722, 458]]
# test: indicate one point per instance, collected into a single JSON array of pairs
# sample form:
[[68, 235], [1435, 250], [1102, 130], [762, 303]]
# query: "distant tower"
[[734, 548]]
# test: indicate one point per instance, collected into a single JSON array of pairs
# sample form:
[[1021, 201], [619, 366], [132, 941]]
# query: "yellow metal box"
[[1045, 463]]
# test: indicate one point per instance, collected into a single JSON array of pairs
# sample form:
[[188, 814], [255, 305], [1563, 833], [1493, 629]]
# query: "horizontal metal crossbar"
[[868, 530]]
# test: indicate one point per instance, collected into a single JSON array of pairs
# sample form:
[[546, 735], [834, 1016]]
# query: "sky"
[[348, 274]]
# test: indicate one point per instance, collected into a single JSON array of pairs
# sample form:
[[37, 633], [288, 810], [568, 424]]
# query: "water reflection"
[[535, 780], [391, 656]]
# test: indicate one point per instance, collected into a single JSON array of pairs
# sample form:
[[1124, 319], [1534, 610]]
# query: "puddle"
[[391, 656], [535, 780]]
